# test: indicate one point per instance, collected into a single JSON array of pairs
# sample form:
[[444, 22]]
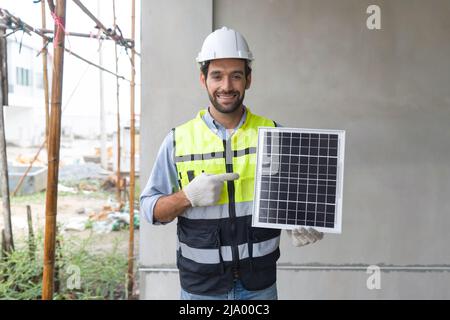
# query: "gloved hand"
[[303, 236], [205, 189]]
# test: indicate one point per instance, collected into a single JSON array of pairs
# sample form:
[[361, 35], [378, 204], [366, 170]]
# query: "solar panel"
[[299, 179]]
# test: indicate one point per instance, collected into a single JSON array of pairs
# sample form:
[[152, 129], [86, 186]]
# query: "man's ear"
[[249, 81], [202, 80]]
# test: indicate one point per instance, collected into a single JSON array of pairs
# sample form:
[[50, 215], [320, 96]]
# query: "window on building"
[[23, 77]]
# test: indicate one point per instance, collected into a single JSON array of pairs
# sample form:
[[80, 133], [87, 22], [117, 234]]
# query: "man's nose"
[[226, 85]]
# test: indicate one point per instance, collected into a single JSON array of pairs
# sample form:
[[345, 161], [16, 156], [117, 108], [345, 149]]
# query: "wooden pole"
[[118, 178], [59, 257], [45, 75], [31, 243], [3, 251], [53, 150], [4, 180], [102, 118], [132, 145]]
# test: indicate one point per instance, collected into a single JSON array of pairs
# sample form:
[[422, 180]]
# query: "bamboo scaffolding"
[[101, 103], [110, 33], [118, 177], [53, 156], [132, 145], [7, 239], [85, 35], [31, 239], [45, 76], [21, 25]]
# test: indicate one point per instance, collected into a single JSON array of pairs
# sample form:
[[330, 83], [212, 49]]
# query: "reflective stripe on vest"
[[211, 256], [218, 212], [214, 155]]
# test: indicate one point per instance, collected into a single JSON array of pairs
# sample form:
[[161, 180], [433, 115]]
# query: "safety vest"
[[217, 243]]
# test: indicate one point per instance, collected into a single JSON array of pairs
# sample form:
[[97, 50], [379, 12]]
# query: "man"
[[204, 176]]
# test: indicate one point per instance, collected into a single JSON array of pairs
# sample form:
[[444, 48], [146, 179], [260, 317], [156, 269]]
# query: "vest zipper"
[[231, 202]]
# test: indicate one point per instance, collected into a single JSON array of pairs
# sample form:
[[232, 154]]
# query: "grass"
[[39, 197], [29, 198], [82, 274], [101, 274]]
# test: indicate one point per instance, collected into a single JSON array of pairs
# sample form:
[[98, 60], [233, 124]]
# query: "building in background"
[[25, 113]]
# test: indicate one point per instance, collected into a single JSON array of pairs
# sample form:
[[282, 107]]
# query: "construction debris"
[[76, 224], [62, 188], [84, 186], [102, 215], [113, 221], [112, 217], [110, 183], [27, 159], [81, 211]]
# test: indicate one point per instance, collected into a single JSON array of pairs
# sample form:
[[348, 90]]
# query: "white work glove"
[[303, 236], [204, 190]]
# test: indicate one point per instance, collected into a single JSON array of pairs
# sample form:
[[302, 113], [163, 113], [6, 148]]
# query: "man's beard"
[[223, 109]]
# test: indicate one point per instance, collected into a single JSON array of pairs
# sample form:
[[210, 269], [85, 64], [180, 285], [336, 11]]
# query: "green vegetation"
[[82, 273], [91, 188], [37, 197]]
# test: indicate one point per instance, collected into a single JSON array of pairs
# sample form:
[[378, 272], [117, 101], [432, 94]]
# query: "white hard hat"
[[224, 43]]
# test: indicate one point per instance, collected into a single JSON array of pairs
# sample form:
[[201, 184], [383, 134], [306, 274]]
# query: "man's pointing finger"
[[226, 176]]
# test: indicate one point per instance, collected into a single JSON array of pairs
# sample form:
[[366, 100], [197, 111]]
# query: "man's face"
[[226, 84]]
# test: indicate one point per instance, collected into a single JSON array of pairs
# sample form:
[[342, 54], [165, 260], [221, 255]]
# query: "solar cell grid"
[[298, 180]]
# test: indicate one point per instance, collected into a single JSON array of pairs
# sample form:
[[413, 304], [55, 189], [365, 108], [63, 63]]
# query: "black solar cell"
[[297, 183]]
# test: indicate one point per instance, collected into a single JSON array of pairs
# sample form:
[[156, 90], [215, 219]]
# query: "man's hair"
[[205, 66]]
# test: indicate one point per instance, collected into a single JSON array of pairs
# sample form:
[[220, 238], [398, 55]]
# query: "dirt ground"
[[67, 212], [73, 169]]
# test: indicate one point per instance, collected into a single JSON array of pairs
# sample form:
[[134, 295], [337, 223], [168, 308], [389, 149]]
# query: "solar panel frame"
[[284, 198]]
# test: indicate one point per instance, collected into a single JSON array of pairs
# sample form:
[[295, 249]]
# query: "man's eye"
[[237, 77]]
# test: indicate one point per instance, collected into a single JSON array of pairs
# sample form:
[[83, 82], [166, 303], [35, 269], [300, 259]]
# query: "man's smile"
[[226, 97]]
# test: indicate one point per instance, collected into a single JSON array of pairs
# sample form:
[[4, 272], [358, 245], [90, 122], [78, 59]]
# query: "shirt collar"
[[213, 124]]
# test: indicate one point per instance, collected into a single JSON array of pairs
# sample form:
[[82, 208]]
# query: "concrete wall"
[[318, 66]]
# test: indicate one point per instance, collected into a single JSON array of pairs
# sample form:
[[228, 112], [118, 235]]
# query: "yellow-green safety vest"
[[217, 242]]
